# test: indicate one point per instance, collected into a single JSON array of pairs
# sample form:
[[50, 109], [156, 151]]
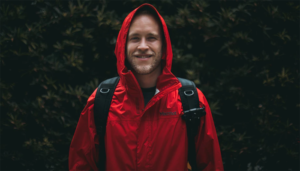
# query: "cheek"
[[127, 48], [157, 47], [130, 48]]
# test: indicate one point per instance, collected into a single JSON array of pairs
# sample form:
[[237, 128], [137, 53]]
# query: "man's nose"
[[143, 45]]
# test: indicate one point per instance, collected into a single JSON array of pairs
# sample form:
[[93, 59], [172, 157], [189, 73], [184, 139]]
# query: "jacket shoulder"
[[90, 102]]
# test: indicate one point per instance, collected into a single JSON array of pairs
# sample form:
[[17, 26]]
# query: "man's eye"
[[134, 38], [152, 38]]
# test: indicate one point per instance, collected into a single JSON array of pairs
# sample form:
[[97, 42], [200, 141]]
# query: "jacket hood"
[[166, 78]]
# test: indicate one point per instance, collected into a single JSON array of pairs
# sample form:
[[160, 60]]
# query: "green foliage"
[[244, 56]]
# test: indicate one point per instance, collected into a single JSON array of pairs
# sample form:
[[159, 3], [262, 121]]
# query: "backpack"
[[191, 108]]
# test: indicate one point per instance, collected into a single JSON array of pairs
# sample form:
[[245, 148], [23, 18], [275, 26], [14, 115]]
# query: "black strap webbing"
[[192, 114], [102, 103]]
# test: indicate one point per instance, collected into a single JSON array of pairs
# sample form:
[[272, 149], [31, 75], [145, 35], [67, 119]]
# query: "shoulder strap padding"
[[104, 94], [102, 102], [192, 113]]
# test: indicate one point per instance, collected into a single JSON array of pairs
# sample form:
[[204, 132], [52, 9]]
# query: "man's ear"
[[164, 49], [127, 64]]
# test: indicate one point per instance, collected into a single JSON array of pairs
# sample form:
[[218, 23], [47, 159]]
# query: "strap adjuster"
[[104, 90], [188, 92]]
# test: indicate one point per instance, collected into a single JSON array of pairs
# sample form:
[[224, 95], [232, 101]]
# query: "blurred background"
[[243, 55]]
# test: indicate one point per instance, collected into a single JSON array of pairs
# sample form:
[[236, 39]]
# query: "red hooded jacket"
[[138, 137]]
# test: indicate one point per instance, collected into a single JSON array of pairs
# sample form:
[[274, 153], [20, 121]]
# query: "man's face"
[[144, 45]]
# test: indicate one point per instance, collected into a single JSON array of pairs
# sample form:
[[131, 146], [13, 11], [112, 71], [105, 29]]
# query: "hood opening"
[[146, 10], [121, 44]]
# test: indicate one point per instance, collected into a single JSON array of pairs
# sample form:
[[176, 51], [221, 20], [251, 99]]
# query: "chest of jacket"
[[140, 138]]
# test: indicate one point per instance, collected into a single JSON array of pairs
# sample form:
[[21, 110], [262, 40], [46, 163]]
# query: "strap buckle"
[[193, 114]]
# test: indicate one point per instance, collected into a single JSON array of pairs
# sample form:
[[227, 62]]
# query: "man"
[[144, 128]]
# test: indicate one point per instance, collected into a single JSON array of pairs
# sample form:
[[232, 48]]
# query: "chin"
[[143, 72]]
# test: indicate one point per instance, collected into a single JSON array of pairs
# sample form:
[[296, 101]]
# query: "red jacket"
[[140, 137]]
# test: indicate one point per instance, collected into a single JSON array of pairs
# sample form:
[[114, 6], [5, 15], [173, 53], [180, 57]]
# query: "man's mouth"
[[143, 56]]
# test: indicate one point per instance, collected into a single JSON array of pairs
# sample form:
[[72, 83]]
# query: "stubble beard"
[[145, 69]]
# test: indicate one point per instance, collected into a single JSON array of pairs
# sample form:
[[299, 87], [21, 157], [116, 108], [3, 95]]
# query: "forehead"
[[144, 23]]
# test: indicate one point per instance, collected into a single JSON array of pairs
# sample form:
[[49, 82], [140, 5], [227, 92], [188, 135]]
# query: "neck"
[[148, 80]]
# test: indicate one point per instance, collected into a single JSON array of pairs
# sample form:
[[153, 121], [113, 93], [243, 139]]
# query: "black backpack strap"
[[192, 114], [105, 92]]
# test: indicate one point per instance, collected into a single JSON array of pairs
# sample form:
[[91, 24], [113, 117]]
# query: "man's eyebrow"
[[137, 34], [153, 34], [133, 34]]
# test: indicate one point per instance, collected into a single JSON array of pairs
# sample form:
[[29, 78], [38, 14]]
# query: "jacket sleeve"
[[83, 154], [207, 144]]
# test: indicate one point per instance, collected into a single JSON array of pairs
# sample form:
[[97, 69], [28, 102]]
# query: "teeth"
[[144, 56]]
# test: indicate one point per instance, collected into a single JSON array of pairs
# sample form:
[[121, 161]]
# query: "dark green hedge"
[[243, 55]]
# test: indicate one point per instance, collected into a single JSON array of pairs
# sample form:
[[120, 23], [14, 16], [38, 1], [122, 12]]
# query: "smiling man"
[[144, 129], [144, 48]]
